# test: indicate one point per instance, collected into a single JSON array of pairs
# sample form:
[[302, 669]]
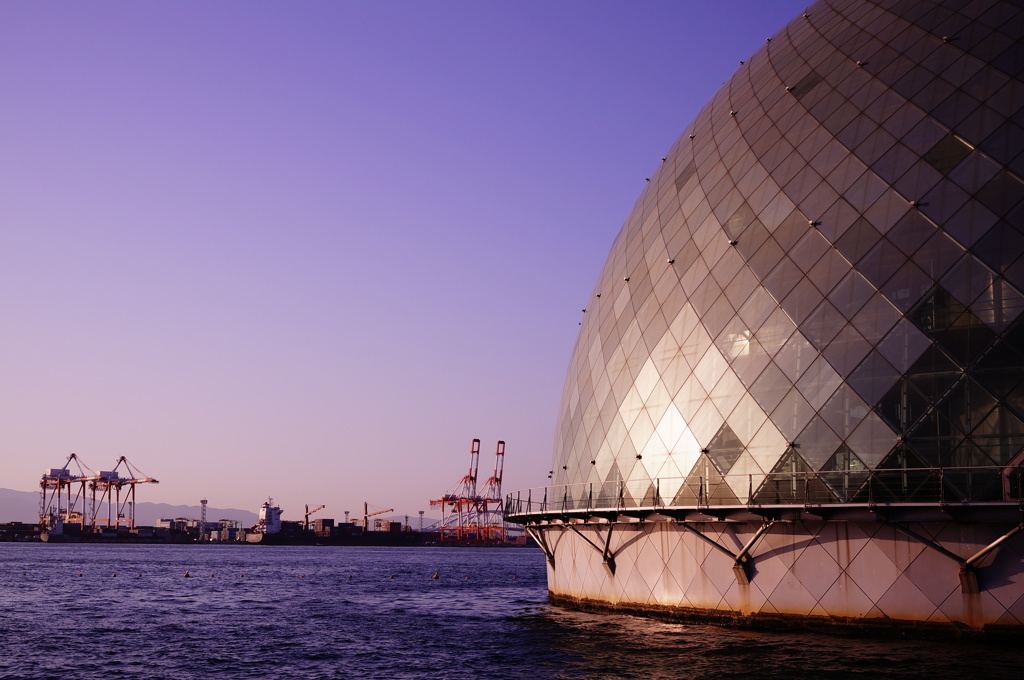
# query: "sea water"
[[120, 611]]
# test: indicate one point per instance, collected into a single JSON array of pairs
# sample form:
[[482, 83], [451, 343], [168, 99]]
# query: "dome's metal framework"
[[811, 325]]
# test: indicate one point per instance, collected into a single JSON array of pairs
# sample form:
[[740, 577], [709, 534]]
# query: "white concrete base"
[[806, 573]]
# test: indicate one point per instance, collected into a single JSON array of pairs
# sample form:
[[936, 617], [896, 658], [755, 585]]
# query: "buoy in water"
[[436, 575]]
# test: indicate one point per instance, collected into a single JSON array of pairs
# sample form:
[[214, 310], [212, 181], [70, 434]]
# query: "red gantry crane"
[[471, 517], [492, 517]]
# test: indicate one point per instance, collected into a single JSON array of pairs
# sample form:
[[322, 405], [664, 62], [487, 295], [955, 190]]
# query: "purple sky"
[[311, 250]]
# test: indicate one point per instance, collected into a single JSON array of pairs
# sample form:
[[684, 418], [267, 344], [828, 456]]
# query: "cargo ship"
[[270, 529]]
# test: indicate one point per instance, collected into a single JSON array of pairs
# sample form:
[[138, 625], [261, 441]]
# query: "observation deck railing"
[[829, 490]]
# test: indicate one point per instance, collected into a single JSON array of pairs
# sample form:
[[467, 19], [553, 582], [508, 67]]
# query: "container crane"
[[110, 483], [59, 505], [492, 519], [492, 487], [468, 516]]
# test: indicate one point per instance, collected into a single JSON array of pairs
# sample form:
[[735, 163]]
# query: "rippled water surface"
[[82, 611]]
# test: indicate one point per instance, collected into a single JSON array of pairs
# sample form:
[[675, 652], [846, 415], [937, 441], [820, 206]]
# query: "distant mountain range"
[[23, 506]]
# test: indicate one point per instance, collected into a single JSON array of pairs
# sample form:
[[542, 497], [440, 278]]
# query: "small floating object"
[[467, 578], [301, 576], [392, 576], [436, 575], [113, 575], [139, 576], [188, 575]]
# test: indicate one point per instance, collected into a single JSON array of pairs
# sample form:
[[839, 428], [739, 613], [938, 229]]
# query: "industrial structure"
[[308, 512], [469, 516], [271, 529], [797, 394], [378, 523], [89, 501], [78, 504], [268, 521]]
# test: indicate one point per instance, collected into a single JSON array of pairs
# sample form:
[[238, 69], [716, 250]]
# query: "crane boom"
[[305, 516], [367, 514]]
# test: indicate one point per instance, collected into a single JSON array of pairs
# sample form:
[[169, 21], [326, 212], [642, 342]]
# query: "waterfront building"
[[796, 395]]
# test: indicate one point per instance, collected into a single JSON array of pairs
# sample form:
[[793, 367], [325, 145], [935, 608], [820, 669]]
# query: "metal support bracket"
[[742, 559], [710, 541], [607, 556], [538, 537], [968, 567]]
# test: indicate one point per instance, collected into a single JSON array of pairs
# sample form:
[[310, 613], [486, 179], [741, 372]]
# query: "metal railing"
[[920, 486]]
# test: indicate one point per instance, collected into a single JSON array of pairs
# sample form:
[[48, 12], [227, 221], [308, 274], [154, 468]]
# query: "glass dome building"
[[797, 394]]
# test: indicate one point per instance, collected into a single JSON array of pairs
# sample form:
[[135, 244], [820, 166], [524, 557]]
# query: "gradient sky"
[[311, 250]]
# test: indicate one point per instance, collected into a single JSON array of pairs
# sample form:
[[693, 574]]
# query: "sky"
[[309, 251]]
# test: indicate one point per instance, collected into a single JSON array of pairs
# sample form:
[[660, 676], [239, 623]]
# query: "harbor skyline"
[[311, 252]]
